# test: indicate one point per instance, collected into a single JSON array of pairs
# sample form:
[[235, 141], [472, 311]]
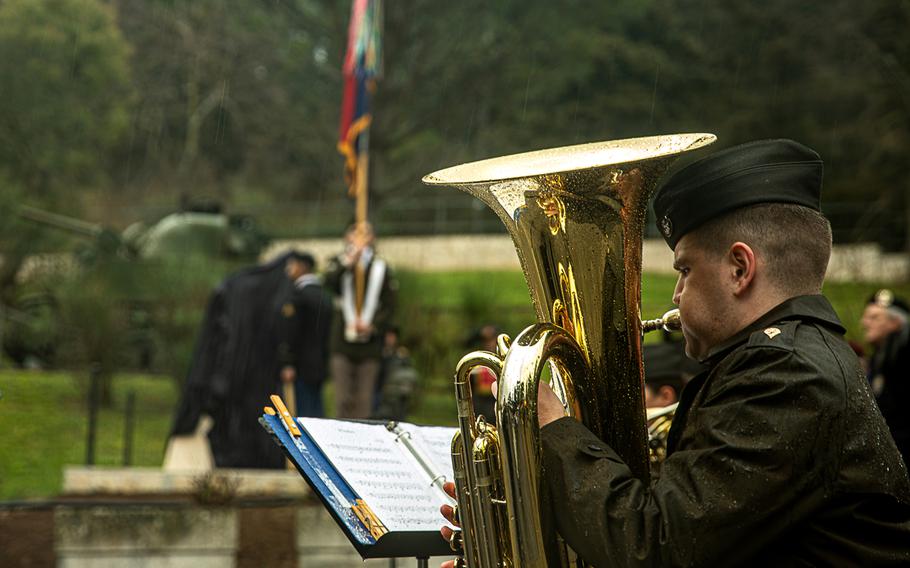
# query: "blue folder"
[[334, 491]]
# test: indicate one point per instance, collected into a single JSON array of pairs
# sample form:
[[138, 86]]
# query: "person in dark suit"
[[886, 327], [777, 455], [306, 323], [366, 293]]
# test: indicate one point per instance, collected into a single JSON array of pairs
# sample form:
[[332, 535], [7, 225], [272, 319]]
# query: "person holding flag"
[[362, 282], [365, 314]]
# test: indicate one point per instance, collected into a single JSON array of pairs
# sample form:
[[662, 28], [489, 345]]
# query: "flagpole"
[[362, 66], [361, 210]]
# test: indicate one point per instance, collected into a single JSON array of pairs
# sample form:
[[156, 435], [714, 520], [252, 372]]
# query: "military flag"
[[361, 69]]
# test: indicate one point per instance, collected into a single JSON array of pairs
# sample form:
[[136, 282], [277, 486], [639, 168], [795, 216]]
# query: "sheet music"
[[380, 471]]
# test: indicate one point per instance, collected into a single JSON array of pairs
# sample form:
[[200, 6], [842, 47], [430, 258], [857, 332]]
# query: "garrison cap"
[[765, 171]]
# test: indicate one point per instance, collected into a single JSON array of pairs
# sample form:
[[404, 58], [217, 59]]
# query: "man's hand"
[[449, 513], [362, 328], [351, 255], [549, 407]]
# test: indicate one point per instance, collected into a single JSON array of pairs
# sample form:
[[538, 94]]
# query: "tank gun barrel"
[[76, 226], [104, 240]]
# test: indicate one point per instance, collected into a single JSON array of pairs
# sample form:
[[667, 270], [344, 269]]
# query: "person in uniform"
[[306, 325], [887, 330], [667, 369], [777, 455], [366, 293]]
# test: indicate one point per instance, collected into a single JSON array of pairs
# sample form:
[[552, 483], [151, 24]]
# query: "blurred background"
[[150, 147]]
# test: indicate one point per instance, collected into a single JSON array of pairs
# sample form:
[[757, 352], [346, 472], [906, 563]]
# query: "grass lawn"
[[43, 416], [43, 420]]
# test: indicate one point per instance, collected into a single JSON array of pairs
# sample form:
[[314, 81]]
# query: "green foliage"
[[122, 314], [64, 71], [438, 312], [16, 237], [11, 194], [92, 314], [179, 291], [65, 106], [216, 489], [240, 100], [234, 90]]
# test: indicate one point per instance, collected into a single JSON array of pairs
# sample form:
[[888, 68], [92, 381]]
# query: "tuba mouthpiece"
[[667, 322]]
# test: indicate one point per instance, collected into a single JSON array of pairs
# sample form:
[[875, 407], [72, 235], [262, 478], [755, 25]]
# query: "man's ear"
[[742, 266], [666, 395]]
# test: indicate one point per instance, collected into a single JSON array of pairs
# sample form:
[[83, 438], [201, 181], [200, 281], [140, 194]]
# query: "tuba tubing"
[[536, 347], [472, 446]]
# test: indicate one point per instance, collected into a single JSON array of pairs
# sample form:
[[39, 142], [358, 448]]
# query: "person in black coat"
[[236, 366], [887, 330], [777, 455], [306, 322], [667, 369]]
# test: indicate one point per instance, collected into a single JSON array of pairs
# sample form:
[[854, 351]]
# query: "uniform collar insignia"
[[772, 332], [666, 226]]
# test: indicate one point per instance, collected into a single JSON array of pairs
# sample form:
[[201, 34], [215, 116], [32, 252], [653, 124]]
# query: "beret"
[[764, 171]]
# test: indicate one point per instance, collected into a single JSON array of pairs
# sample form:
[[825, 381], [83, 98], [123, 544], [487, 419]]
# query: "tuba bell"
[[576, 216]]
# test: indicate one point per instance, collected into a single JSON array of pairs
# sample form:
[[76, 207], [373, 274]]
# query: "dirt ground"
[[27, 538]]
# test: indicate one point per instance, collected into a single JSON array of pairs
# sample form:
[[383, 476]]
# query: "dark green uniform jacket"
[[778, 456]]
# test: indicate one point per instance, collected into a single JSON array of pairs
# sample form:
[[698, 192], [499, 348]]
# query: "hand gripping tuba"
[[576, 216]]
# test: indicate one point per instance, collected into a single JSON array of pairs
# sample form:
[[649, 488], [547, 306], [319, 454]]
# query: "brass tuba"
[[576, 216]]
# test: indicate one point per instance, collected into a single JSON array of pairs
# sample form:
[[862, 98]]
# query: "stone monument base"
[[151, 518]]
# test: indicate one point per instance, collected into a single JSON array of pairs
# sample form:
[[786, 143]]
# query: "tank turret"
[[192, 233]]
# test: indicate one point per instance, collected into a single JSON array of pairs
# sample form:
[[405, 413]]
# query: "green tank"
[[208, 234], [147, 265]]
